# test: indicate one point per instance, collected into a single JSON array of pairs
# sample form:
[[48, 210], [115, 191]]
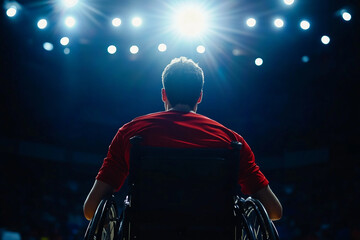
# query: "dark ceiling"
[[79, 100]]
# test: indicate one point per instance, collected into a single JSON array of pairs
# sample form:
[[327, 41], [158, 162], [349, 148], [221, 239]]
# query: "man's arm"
[[99, 191], [270, 202]]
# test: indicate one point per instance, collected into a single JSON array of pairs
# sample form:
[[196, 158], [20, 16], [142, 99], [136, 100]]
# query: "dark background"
[[59, 112]]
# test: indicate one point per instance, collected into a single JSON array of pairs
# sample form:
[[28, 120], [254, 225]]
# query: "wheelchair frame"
[[251, 221]]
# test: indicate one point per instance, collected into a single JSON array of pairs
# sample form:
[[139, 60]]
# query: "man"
[[179, 126]]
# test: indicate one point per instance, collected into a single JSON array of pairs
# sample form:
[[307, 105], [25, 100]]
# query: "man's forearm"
[[96, 194], [270, 202]]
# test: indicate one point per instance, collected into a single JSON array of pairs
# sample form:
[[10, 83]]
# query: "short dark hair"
[[183, 81]]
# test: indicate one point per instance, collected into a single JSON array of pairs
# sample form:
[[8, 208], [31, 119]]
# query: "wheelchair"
[[251, 222], [182, 194]]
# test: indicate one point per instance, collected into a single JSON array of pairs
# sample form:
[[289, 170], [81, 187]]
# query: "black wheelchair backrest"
[[183, 185]]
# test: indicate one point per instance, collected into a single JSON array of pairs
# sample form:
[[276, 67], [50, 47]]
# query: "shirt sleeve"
[[115, 168], [251, 179]]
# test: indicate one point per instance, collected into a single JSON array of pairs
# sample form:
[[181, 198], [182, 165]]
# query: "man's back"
[[176, 129]]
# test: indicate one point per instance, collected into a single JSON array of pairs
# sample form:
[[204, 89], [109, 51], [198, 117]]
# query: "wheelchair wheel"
[[257, 217], [104, 224], [243, 230], [270, 227]]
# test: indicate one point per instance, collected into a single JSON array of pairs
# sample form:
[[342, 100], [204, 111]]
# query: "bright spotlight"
[[48, 46], [116, 22], [136, 21], [191, 21], [251, 22], [11, 12], [259, 61], [134, 49], [70, 22], [70, 3], [66, 51], [325, 39], [305, 25], [288, 2], [162, 47], [279, 23], [346, 16], [200, 49], [305, 59], [42, 23], [64, 41], [111, 49]]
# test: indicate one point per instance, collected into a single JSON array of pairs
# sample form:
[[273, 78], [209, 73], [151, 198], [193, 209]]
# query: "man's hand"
[[99, 191]]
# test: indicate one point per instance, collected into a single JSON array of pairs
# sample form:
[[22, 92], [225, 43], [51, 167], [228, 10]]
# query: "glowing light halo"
[[136, 21], [42, 23], [11, 11], [251, 22], [111, 49], [346, 16], [48, 46], [190, 20], [116, 22], [279, 22], [70, 3], [305, 25], [288, 2], [200, 49], [211, 24], [259, 61], [162, 47], [325, 39], [134, 49], [64, 41], [70, 21]]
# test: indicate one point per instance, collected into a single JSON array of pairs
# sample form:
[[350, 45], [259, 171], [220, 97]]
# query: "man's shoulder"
[[219, 125], [144, 118]]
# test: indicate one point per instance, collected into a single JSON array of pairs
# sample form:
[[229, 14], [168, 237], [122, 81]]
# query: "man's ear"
[[200, 98], [163, 95]]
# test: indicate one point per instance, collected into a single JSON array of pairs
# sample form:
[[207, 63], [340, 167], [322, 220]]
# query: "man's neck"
[[182, 108]]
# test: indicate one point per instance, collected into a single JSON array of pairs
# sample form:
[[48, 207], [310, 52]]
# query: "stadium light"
[[200, 49], [70, 3], [304, 24], [305, 59], [70, 22], [136, 22], [162, 47], [42, 23], [11, 11], [258, 61], [325, 39], [288, 2], [111, 49], [48, 46], [64, 41], [279, 23], [346, 16], [190, 20], [251, 22], [66, 51], [134, 49], [116, 22]]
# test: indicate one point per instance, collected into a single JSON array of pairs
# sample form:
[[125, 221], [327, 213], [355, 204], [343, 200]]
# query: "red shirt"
[[178, 130]]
